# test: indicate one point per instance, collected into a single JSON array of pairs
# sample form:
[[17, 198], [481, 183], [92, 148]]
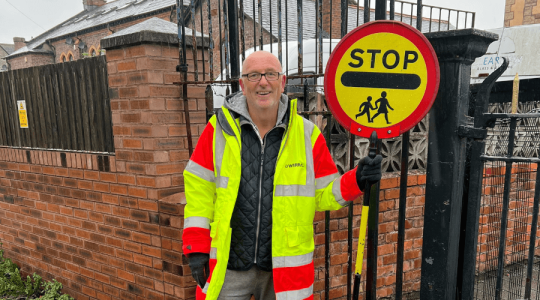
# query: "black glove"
[[200, 268], [369, 170]]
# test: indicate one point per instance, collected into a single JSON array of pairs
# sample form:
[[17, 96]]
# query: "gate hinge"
[[472, 132]]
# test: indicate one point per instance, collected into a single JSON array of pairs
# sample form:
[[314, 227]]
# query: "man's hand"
[[369, 170], [200, 268]]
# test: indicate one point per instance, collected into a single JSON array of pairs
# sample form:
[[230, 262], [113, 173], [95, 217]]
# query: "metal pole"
[[419, 15], [350, 223], [182, 68], [366, 11], [327, 224], [532, 241], [402, 210], [504, 217], [380, 9], [351, 165], [392, 9], [373, 142], [233, 43], [373, 241]]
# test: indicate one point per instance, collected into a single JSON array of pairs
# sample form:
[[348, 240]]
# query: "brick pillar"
[[151, 144]]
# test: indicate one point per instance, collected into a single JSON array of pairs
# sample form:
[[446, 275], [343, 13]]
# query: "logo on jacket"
[[294, 165]]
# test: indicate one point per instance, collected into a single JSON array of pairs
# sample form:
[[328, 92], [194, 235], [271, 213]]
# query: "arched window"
[[63, 58], [70, 56], [93, 51]]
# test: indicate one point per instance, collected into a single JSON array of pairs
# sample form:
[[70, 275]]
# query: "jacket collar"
[[237, 105]]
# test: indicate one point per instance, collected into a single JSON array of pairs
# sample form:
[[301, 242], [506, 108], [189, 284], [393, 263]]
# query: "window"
[[93, 52], [71, 57], [63, 58]]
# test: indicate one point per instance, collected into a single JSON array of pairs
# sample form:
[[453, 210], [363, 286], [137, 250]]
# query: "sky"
[[30, 18]]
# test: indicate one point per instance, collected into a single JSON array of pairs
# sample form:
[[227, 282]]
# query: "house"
[[5, 50], [80, 35]]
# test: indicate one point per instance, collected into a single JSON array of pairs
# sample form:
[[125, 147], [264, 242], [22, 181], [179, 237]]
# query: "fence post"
[[456, 51], [233, 43]]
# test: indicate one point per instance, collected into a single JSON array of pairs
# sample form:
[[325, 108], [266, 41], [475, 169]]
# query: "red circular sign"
[[383, 76]]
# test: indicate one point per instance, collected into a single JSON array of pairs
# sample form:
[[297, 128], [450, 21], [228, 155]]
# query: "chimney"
[[335, 11], [19, 42], [90, 5]]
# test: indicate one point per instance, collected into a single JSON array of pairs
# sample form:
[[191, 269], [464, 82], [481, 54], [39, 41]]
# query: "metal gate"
[[302, 34], [500, 246]]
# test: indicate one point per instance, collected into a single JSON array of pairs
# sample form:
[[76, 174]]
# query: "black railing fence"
[[302, 34]]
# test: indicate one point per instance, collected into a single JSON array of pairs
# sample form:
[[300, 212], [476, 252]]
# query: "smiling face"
[[262, 96]]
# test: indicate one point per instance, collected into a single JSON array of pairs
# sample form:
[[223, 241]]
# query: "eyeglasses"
[[254, 77]]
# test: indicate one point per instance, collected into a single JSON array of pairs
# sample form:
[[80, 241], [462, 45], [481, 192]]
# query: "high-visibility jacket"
[[306, 180]]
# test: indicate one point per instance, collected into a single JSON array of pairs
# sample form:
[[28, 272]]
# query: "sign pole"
[[366, 206]]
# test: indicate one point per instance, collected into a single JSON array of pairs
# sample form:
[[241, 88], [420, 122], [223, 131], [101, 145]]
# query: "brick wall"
[[30, 60], [521, 12], [94, 222]]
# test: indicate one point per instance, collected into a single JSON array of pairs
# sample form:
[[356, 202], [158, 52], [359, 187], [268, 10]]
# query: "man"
[[257, 176]]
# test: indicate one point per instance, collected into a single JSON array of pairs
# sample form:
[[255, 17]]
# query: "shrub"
[[13, 286]]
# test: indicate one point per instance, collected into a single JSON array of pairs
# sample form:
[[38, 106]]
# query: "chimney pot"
[[19, 42], [90, 5]]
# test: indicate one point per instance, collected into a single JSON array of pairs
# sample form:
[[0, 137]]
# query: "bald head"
[[260, 57]]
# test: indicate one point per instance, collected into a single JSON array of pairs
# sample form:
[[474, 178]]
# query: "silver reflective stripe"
[[310, 168], [295, 295], [307, 190], [200, 171], [222, 182], [292, 261], [201, 222], [213, 253], [336, 190], [205, 289], [295, 190], [323, 182]]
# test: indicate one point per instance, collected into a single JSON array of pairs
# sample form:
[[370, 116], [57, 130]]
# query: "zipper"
[[263, 142], [260, 199]]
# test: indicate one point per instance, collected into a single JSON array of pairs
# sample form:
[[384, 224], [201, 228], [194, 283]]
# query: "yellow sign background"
[[404, 102], [23, 118]]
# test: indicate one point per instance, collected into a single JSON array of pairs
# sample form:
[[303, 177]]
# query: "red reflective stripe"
[[199, 295], [322, 160], [309, 298], [203, 153], [349, 187], [212, 264], [196, 239], [294, 278]]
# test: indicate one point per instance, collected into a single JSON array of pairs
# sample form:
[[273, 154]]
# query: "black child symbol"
[[383, 107], [365, 108]]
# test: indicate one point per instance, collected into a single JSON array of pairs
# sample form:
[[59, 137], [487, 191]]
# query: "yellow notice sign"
[[23, 118]]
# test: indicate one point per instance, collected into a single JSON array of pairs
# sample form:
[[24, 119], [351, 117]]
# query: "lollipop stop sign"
[[383, 76]]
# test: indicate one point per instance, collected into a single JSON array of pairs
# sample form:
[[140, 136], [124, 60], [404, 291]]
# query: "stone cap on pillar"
[[461, 45], [152, 31]]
